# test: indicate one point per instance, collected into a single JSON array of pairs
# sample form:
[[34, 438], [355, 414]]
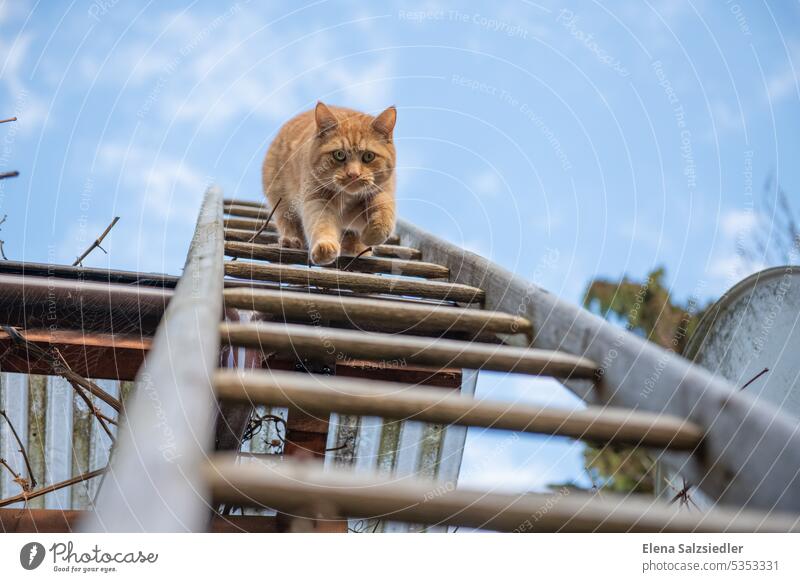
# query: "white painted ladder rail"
[[751, 451]]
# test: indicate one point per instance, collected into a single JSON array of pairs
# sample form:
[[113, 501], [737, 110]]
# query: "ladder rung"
[[302, 488], [308, 341], [248, 224], [241, 202], [245, 250], [376, 313], [247, 212], [325, 394], [251, 225], [271, 237], [397, 252], [358, 282], [242, 235]]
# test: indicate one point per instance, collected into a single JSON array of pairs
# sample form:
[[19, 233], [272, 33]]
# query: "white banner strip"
[[463, 556]]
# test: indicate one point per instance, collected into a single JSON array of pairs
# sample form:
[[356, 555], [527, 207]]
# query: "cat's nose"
[[352, 172]]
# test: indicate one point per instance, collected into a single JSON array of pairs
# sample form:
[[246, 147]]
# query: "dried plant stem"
[[7, 120], [23, 452], [79, 390], [4, 175], [26, 496], [96, 243], [754, 378], [266, 222]]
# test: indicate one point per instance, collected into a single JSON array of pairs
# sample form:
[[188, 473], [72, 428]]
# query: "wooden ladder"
[[433, 307]]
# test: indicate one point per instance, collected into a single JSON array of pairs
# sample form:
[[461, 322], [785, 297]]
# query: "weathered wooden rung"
[[305, 489], [357, 282], [242, 202], [322, 395], [312, 342], [397, 252], [376, 314], [245, 211], [249, 224], [245, 250], [388, 251], [255, 225]]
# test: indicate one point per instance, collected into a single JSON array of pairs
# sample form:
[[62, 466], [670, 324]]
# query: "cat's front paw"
[[376, 233], [324, 252]]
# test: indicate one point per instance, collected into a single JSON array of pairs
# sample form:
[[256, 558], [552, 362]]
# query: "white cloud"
[[738, 223], [188, 75], [486, 183]]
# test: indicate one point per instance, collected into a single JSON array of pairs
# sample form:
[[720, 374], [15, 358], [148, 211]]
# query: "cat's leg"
[[352, 245], [380, 219], [290, 229], [323, 229]]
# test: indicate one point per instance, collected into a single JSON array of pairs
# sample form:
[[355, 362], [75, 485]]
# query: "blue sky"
[[563, 140]]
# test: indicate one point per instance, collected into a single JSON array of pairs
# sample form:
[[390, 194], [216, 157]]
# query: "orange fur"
[[335, 198]]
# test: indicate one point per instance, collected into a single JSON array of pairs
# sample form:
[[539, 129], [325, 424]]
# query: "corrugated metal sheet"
[[61, 436]]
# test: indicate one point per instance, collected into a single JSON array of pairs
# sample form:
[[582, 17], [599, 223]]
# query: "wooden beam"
[[375, 314], [154, 483], [751, 452], [306, 489], [91, 355], [358, 282], [28, 520], [40, 302], [308, 341], [344, 263], [322, 395]]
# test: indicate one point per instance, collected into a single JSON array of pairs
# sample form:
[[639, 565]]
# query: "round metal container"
[[754, 327]]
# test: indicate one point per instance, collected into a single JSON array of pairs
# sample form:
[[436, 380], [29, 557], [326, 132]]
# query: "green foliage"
[[646, 308]]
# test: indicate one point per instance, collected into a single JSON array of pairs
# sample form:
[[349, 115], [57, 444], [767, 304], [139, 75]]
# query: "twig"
[[88, 401], [3, 220], [60, 370], [4, 175], [96, 243], [347, 442], [2, 250], [22, 450], [684, 494], [7, 120], [358, 256], [266, 222], [26, 496], [18, 479], [754, 378]]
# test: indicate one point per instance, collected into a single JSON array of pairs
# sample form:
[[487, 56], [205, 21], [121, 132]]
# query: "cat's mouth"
[[355, 186]]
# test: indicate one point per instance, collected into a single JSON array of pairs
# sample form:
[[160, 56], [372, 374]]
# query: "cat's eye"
[[367, 157], [339, 155]]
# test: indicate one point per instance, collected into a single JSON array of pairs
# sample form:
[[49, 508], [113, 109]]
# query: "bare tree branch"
[[96, 243], [28, 495], [7, 120], [22, 450], [4, 175], [266, 222]]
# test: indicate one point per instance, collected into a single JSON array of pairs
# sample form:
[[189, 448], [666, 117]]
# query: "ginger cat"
[[333, 170]]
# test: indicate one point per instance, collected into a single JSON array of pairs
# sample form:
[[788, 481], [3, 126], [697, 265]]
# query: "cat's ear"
[[326, 120], [384, 123]]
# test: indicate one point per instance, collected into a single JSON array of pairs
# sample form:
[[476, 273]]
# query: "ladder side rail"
[[154, 482], [751, 450]]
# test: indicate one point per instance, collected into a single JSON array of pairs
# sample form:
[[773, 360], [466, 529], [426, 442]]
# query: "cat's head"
[[354, 153]]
